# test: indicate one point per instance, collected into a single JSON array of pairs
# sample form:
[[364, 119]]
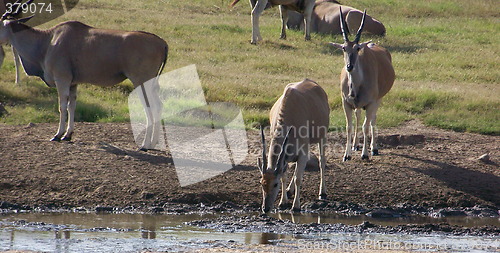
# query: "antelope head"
[[351, 50], [271, 177], [15, 14], [9, 18]]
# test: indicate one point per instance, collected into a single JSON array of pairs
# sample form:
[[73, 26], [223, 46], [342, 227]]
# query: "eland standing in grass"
[[72, 52], [258, 6], [299, 118], [17, 62], [366, 77]]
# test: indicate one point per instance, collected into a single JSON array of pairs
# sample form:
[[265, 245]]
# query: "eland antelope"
[[367, 76], [258, 6], [71, 53], [299, 118], [17, 62], [325, 19]]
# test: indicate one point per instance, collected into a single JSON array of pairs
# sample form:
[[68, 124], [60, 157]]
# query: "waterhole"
[[91, 232]]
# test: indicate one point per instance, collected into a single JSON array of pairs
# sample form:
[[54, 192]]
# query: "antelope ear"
[[337, 45], [364, 44], [6, 22], [24, 20]]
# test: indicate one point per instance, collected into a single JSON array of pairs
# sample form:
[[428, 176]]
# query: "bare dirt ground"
[[418, 166]]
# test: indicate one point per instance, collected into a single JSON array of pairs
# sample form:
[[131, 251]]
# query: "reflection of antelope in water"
[[299, 118], [367, 76]]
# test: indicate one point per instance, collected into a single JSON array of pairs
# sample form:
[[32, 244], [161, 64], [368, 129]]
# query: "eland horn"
[[343, 26], [358, 34], [263, 140]]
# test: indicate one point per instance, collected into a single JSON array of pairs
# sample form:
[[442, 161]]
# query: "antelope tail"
[[164, 61], [157, 78]]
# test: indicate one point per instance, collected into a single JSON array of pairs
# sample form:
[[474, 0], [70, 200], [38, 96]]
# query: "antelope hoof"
[[307, 37], [56, 138], [322, 196], [66, 138], [355, 148], [143, 149], [365, 157], [290, 194], [295, 210], [375, 152], [346, 158], [283, 37], [284, 206]]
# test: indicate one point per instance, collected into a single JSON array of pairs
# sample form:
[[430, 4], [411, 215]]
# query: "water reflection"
[[265, 238], [65, 234], [300, 218], [62, 237], [11, 244], [304, 218], [149, 227], [70, 232]]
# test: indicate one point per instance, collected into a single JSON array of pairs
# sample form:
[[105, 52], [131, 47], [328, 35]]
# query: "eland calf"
[[299, 118], [71, 53], [367, 76], [258, 6]]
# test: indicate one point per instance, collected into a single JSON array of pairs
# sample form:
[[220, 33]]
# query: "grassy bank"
[[445, 54]]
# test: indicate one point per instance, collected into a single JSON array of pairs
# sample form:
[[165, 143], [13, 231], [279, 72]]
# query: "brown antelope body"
[[325, 19], [299, 118], [258, 6], [367, 76], [72, 52]]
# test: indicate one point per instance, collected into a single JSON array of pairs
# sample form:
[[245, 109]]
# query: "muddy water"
[[465, 221], [88, 232]]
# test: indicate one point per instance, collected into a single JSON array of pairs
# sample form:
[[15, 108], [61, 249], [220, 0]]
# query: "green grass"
[[445, 54]]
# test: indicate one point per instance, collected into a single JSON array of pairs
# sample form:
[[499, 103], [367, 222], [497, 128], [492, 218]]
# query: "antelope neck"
[[28, 41], [355, 76]]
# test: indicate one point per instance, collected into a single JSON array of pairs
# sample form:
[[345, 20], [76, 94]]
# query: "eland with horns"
[[71, 53], [299, 118], [366, 77]]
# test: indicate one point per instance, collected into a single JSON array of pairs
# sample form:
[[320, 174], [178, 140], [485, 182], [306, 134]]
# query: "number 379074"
[[32, 8]]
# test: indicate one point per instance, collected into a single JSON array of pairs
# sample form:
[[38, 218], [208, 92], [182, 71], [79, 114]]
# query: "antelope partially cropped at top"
[[299, 118], [17, 62], [258, 6], [366, 77], [71, 53]]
